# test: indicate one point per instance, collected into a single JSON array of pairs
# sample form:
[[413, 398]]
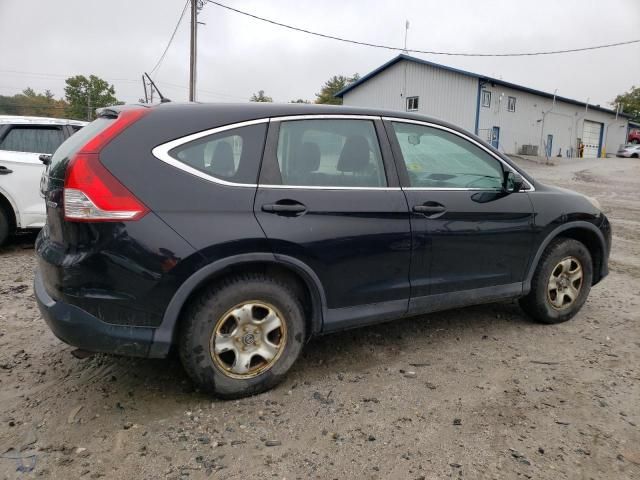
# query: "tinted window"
[[330, 153], [233, 155], [32, 139], [75, 142], [438, 159]]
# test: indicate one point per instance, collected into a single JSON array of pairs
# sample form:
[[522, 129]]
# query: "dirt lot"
[[480, 392]]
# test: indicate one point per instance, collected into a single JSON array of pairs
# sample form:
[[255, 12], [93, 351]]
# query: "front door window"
[[436, 158]]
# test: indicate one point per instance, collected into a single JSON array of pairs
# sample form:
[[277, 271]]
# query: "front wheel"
[[561, 282], [242, 335]]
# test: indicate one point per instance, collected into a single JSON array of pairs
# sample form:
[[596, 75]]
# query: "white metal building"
[[515, 119]]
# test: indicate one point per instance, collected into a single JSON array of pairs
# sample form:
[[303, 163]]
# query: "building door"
[[495, 137], [591, 136], [549, 145]]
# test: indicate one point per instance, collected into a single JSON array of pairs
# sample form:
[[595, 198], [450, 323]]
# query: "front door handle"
[[5, 171], [284, 208], [429, 209]]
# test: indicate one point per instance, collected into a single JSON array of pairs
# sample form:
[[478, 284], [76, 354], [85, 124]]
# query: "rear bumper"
[[79, 328]]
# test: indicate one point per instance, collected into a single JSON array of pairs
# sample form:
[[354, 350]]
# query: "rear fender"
[[165, 334]]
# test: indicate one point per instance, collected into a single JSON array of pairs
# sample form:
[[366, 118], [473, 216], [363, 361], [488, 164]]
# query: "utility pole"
[[193, 56], [89, 101]]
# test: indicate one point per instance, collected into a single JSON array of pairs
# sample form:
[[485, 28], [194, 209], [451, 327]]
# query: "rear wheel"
[[561, 282], [241, 336], [4, 226]]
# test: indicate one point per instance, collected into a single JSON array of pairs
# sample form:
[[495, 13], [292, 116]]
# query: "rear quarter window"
[[233, 155]]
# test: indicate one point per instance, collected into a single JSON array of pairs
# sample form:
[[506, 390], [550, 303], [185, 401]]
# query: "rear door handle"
[[284, 208], [5, 171], [429, 209]]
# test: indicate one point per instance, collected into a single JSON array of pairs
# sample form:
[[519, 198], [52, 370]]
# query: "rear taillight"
[[91, 192]]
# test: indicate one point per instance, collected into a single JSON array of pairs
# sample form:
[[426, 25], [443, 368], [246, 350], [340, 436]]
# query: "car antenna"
[[163, 99]]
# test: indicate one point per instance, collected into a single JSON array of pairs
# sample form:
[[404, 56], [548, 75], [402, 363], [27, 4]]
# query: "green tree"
[[260, 97], [300, 100], [333, 86], [630, 102], [31, 103], [84, 95]]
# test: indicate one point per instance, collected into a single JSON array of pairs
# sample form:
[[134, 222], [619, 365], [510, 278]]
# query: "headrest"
[[222, 160], [355, 155], [307, 159]]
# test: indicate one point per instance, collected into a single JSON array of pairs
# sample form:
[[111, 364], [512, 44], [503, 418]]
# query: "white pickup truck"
[[22, 141]]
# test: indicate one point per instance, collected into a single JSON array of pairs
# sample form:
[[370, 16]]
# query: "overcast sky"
[[119, 39]]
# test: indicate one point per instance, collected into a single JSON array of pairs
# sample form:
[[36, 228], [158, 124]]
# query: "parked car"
[[237, 232], [629, 151], [634, 135], [22, 141]]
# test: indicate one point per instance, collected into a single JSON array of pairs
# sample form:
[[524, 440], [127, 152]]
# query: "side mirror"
[[513, 182]]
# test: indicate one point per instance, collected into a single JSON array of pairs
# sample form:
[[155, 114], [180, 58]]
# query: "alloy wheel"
[[248, 339], [565, 283]]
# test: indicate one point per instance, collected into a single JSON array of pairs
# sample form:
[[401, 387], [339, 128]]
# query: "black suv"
[[237, 232]]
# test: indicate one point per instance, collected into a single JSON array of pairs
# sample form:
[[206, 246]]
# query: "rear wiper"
[[45, 158]]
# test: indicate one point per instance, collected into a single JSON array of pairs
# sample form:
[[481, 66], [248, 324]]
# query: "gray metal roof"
[[496, 81]]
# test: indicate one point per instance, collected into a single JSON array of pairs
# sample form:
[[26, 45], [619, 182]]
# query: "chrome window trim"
[[319, 187], [530, 188], [161, 152], [325, 116]]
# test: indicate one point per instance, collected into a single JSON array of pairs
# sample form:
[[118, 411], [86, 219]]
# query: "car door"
[[329, 199], [21, 168], [471, 239]]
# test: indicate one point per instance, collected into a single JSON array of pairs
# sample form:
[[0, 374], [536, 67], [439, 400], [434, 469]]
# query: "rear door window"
[[33, 139], [232, 156], [330, 153]]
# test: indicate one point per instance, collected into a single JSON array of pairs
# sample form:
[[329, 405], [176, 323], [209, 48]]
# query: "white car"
[[22, 141], [631, 150]]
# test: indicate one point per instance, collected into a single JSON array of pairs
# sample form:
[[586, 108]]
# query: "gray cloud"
[[119, 39]]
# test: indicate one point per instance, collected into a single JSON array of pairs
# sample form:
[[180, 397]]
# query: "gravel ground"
[[480, 392]]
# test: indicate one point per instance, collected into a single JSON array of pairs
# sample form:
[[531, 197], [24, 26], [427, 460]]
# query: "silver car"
[[629, 151]]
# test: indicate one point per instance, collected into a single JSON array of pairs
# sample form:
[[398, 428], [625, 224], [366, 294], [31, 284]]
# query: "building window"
[[412, 104], [511, 104], [486, 98]]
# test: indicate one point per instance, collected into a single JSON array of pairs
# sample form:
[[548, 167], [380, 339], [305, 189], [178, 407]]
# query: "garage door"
[[591, 138]]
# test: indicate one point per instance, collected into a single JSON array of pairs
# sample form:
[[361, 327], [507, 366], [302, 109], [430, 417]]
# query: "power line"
[[184, 9], [429, 52]]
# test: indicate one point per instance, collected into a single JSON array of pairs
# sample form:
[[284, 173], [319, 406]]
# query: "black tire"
[[538, 303], [202, 319], [4, 226]]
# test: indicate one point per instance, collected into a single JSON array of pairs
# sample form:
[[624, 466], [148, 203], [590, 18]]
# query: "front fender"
[[556, 232]]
